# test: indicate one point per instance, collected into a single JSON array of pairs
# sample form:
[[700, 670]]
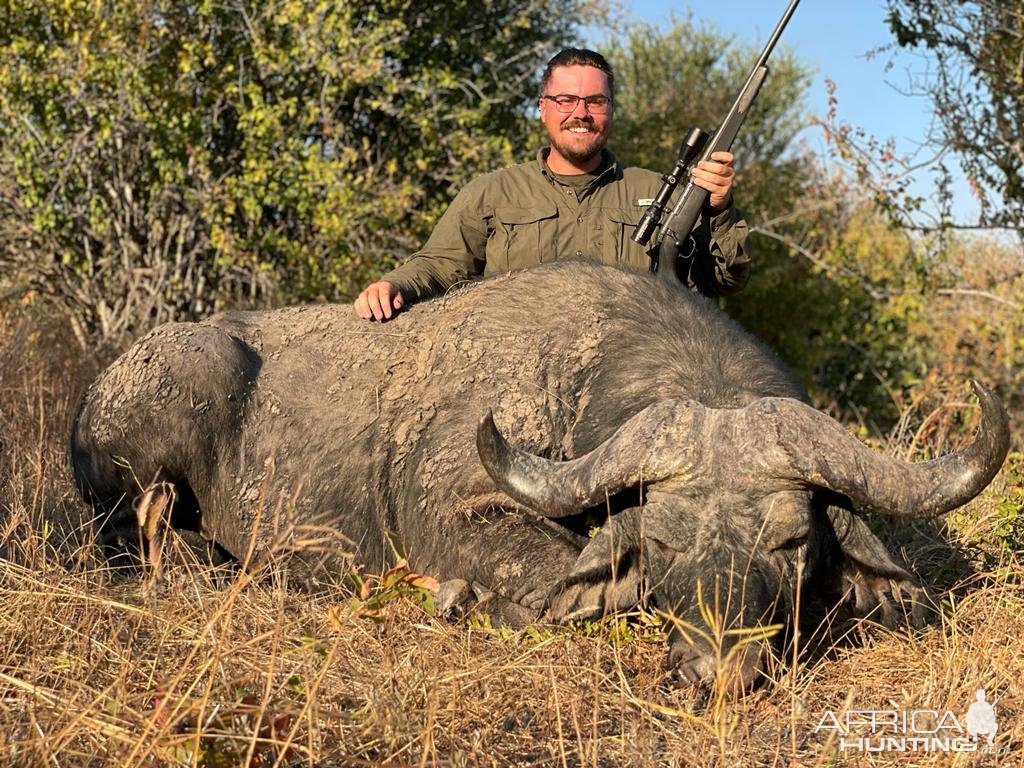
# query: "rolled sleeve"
[[730, 251], [454, 252], [722, 266]]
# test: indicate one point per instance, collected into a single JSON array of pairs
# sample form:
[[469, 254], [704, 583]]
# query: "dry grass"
[[212, 669]]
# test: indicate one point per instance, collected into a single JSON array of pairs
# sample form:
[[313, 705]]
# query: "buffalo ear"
[[606, 576], [873, 585]]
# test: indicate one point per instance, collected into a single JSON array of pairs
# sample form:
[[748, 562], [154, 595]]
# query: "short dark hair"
[[583, 57]]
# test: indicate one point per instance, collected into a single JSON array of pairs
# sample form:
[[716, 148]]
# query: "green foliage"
[[622, 629], [1009, 530], [397, 583], [887, 327], [840, 309], [998, 544], [618, 629], [160, 159]]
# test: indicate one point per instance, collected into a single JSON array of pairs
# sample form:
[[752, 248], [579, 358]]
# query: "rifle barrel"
[[776, 34], [746, 94]]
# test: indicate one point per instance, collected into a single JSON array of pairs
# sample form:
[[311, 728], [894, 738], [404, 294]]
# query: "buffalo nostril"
[[691, 667], [701, 670], [742, 668]]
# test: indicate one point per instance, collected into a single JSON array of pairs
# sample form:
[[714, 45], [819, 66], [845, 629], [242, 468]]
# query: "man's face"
[[579, 136]]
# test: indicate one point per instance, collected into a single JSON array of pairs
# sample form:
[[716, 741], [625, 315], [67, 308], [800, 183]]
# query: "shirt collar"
[[609, 161]]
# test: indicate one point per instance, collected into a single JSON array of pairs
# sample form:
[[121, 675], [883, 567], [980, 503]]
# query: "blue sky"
[[834, 37]]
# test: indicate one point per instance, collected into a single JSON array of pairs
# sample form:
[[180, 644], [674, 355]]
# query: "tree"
[[161, 159], [974, 78]]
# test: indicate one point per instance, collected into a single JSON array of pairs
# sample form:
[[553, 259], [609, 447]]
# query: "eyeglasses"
[[566, 103]]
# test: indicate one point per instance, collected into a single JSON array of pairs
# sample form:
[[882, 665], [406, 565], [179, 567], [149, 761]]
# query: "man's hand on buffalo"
[[379, 301]]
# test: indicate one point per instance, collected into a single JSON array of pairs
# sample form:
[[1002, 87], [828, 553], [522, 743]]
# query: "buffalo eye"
[[793, 542], [660, 547]]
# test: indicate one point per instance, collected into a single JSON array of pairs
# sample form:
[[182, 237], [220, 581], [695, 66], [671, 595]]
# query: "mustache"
[[578, 123]]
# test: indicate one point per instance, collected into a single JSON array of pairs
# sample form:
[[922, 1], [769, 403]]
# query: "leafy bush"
[[159, 160]]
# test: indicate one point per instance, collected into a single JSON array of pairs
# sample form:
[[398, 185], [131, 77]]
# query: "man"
[[573, 200]]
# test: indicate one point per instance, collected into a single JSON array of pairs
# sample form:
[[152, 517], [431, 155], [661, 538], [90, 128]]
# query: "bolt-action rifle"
[[673, 241]]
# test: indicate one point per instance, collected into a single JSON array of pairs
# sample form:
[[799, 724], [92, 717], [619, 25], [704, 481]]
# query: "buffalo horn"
[[646, 447], [822, 453]]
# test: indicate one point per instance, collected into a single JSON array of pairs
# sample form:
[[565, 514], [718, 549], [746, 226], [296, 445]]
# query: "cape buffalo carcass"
[[612, 394]]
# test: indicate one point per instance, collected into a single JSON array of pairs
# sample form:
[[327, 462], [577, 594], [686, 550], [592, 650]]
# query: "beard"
[[579, 148]]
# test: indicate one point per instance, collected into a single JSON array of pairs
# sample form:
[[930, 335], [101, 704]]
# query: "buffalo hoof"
[[453, 599], [457, 599], [502, 611]]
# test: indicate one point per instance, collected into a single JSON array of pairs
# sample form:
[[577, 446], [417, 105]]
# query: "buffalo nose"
[[700, 669], [742, 667]]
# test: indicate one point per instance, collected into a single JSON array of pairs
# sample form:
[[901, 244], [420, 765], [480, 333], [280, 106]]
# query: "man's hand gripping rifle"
[[672, 242]]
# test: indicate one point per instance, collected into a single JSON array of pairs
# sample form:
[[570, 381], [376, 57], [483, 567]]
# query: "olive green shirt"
[[522, 216]]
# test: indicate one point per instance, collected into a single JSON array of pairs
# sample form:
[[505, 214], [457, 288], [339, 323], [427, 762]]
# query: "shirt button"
[[579, 253], [579, 220]]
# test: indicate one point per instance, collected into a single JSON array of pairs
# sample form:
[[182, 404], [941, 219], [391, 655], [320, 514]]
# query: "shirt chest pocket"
[[521, 237], [619, 248]]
